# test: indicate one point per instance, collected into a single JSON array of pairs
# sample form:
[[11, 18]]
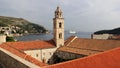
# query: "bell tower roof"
[[58, 13], [58, 9]]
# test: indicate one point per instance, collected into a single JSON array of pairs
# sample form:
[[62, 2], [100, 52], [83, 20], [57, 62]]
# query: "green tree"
[[10, 39]]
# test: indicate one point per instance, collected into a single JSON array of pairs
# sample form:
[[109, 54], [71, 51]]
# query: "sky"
[[80, 15]]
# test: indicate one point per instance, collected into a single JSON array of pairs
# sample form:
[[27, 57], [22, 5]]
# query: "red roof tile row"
[[108, 59], [29, 45], [78, 50], [18, 47], [22, 55], [94, 44], [89, 46]]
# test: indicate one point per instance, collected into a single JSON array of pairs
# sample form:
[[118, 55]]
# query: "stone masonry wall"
[[41, 54], [101, 36], [61, 56], [68, 55], [10, 62]]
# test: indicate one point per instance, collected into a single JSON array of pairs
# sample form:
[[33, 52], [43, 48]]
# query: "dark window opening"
[[60, 14], [60, 36], [60, 25], [36, 55], [57, 13]]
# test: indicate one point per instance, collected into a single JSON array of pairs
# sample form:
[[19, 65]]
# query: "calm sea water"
[[50, 36]]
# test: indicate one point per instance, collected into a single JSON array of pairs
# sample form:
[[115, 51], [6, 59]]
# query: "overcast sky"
[[81, 15]]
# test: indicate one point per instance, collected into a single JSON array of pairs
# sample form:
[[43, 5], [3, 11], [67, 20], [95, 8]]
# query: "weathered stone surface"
[[10, 62]]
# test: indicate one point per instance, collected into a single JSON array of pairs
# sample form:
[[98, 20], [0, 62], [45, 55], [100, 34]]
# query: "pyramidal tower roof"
[[58, 9]]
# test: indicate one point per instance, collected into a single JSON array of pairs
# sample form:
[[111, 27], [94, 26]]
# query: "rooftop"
[[107, 59], [22, 55], [30, 45], [17, 48], [89, 46]]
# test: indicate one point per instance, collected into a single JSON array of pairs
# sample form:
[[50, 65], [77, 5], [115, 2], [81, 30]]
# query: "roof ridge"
[[97, 54], [22, 55], [85, 49], [73, 38], [30, 45], [13, 48]]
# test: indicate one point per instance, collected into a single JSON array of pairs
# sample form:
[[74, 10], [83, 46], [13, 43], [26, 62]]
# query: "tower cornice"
[[57, 18]]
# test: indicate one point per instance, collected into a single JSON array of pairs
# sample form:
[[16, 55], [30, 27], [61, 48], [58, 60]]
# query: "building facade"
[[58, 28], [101, 36], [43, 55]]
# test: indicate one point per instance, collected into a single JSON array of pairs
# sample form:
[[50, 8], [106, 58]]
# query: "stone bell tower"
[[58, 27]]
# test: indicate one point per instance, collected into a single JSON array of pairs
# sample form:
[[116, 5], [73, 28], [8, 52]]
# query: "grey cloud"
[[82, 15]]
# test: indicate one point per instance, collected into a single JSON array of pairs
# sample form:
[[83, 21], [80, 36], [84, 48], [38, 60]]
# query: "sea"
[[31, 37]]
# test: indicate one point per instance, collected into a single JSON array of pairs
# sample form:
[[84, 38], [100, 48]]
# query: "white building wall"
[[34, 53], [48, 53], [101, 36], [41, 54], [2, 39]]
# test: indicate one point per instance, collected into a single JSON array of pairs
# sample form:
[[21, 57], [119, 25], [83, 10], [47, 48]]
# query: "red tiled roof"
[[18, 47], [86, 46], [78, 51], [29, 45], [22, 55], [94, 44], [116, 37], [108, 59]]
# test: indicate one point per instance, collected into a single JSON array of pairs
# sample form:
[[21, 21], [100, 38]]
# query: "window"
[[60, 25], [36, 55], [43, 60], [60, 36], [60, 14], [57, 13]]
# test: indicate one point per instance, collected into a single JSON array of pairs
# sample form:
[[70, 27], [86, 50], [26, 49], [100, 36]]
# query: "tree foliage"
[[113, 31], [23, 24], [10, 39]]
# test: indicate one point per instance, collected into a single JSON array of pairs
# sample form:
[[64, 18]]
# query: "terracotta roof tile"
[[22, 55], [86, 46], [94, 44], [29, 45], [78, 50], [18, 47], [108, 59]]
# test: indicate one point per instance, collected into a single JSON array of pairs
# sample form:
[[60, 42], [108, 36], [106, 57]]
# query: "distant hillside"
[[113, 31], [23, 24]]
